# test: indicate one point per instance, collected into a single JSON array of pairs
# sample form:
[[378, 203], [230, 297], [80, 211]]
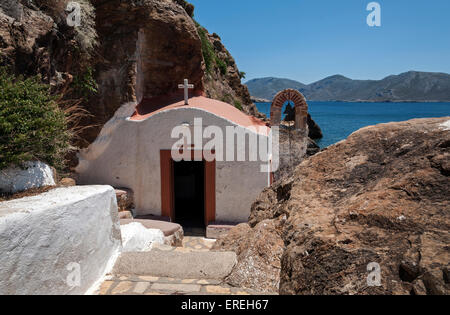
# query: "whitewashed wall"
[[34, 174], [44, 238], [127, 154]]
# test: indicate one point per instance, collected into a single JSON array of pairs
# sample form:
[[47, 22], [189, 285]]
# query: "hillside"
[[408, 86], [266, 88]]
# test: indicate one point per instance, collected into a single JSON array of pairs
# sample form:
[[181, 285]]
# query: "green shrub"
[[32, 127], [212, 61], [222, 66], [238, 105], [85, 84], [207, 48]]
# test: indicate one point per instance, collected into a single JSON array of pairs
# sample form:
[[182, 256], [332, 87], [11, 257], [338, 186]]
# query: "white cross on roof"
[[186, 86]]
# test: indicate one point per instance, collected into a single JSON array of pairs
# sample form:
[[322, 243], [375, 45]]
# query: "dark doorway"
[[189, 195]]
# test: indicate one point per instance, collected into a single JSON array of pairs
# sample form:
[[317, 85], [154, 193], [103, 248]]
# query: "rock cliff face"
[[381, 196], [146, 48], [223, 80], [31, 42], [127, 51]]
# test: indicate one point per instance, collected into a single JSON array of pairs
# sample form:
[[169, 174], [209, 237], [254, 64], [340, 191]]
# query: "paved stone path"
[[149, 285], [145, 282], [198, 243]]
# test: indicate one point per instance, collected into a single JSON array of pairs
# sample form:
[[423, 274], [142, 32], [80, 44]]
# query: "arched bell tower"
[[301, 108]]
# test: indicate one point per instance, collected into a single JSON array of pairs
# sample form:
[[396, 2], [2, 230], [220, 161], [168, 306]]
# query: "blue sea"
[[340, 119]]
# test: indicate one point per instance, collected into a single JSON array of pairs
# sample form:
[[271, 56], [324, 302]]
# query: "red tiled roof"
[[149, 107]]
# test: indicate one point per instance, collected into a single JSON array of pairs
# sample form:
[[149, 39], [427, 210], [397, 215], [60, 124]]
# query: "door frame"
[[168, 185]]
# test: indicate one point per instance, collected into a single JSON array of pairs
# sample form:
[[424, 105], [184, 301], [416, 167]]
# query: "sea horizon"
[[338, 120]]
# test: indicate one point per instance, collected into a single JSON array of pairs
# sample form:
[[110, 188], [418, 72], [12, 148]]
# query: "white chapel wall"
[[129, 156], [60, 242]]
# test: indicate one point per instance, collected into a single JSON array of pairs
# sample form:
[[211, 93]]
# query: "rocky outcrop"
[[142, 49], [379, 198], [146, 48], [312, 147], [259, 253], [223, 80], [25, 39], [259, 100], [314, 130], [36, 40]]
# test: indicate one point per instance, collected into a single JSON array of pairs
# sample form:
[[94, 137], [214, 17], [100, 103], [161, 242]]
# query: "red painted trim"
[[167, 186], [210, 192], [167, 197]]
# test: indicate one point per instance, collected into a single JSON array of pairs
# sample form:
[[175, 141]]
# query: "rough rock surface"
[[125, 199], [259, 253], [67, 182], [293, 149], [34, 174], [226, 85], [381, 196], [312, 147], [24, 33], [36, 40], [314, 130], [145, 49]]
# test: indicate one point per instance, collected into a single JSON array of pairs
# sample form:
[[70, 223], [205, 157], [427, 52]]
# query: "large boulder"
[[33, 174], [259, 253], [378, 199]]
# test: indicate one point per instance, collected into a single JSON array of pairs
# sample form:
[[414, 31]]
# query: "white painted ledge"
[[45, 238]]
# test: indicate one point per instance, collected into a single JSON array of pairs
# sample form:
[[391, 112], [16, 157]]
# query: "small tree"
[[32, 127]]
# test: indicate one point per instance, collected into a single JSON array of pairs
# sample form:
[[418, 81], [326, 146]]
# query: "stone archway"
[[301, 108]]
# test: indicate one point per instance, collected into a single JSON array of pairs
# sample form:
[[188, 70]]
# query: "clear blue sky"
[[307, 40]]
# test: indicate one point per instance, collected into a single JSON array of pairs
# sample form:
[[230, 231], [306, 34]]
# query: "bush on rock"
[[32, 127]]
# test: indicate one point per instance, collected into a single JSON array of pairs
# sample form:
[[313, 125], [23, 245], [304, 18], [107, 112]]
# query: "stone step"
[[176, 264], [150, 285]]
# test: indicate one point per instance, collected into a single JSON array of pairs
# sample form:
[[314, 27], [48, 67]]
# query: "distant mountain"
[[266, 88], [408, 86]]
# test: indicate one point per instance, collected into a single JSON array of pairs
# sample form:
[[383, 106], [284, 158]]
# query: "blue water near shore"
[[340, 119]]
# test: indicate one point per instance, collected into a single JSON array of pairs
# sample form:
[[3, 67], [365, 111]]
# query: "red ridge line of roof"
[[150, 107]]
